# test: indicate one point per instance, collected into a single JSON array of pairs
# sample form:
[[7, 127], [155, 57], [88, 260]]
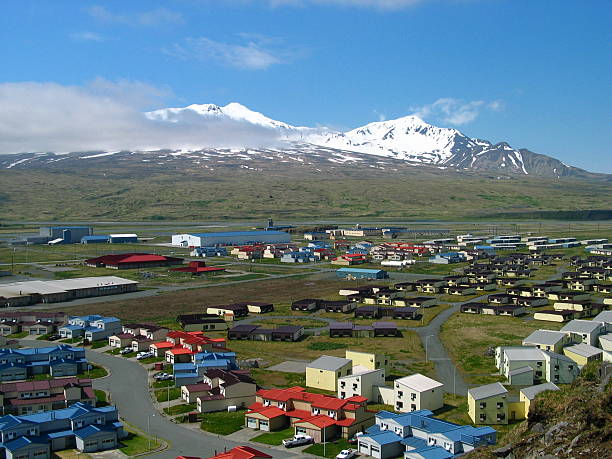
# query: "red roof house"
[[132, 261]]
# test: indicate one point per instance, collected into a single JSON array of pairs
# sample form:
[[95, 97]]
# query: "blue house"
[[192, 372], [80, 426], [302, 256], [448, 257], [418, 435], [209, 252], [357, 273], [60, 360], [93, 327]]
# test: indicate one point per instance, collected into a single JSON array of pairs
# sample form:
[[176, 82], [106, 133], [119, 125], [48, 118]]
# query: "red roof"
[[269, 412], [123, 258], [320, 421], [179, 351], [163, 345], [241, 452], [198, 269]]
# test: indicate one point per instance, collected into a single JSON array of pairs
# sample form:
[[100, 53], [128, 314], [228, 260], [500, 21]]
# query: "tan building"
[[324, 372], [418, 392], [488, 404]]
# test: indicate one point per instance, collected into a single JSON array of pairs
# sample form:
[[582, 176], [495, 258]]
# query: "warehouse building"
[[132, 261], [65, 234], [230, 238], [53, 291]]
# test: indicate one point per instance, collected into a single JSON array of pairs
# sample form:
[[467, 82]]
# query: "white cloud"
[[455, 111], [152, 18], [87, 36], [253, 54], [105, 115]]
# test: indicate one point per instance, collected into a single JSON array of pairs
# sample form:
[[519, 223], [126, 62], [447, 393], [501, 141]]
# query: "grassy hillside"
[[146, 192]]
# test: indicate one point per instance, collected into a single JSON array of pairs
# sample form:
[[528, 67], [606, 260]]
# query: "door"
[[252, 423], [264, 425]]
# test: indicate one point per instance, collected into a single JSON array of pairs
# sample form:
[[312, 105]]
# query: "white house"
[[363, 382], [418, 392], [586, 331]]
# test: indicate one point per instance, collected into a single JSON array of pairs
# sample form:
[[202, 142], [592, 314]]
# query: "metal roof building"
[[230, 238]]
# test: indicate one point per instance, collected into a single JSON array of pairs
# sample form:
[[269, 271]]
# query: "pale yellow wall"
[[371, 361], [325, 379], [490, 410], [579, 359]]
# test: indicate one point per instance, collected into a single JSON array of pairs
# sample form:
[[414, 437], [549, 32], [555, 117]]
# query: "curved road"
[[129, 389]]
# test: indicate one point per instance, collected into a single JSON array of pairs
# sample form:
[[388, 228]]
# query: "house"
[[92, 327], [528, 394], [81, 425], [320, 416], [36, 396], [418, 392], [56, 361], [488, 404], [525, 366], [201, 322], [238, 452], [585, 331], [430, 285], [224, 388], [34, 322], [192, 342], [605, 319], [132, 261], [420, 302], [419, 435], [229, 311], [355, 273], [323, 373], [583, 353], [257, 333], [339, 306], [551, 315], [368, 360], [362, 382], [306, 305], [137, 336], [192, 372], [548, 340]]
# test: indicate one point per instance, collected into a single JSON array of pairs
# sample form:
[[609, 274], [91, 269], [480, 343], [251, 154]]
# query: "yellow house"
[[528, 395], [583, 353], [369, 360], [488, 404], [323, 373]]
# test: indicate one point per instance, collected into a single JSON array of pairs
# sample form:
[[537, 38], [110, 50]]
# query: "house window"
[[500, 405], [400, 394], [399, 405], [483, 405], [483, 417]]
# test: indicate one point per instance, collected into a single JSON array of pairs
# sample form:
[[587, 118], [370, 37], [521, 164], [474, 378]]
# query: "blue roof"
[[60, 434], [414, 442], [238, 233], [87, 431], [384, 437], [72, 327], [95, 238], [9, 421], [184, 366], [42, 350], [432, 452], [22, 442]]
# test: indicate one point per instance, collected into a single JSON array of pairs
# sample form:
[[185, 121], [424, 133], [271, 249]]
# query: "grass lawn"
[[162, 394], [149, 360], [95, 372], [274, 438], [432, 268], [19, 335], [467, 337], [181, 409], [71, 340], [101, 398], [160, 384], [222, 422], [70, 454], [268, 379], [332, 448], [135, 444], [113, 351], [98, 344]]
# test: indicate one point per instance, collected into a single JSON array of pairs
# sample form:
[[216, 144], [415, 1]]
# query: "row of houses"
[[80, 426], [55, 361], [230, 312], [32, 322], [258, 333], [92, 327]]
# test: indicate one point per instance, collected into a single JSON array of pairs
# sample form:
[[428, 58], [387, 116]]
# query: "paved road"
[[128, 385]]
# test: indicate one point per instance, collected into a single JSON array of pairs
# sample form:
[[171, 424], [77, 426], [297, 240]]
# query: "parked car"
[[346, 454], [144, 355], [126, 350], [297, 440], [163, 377], [53, 337]]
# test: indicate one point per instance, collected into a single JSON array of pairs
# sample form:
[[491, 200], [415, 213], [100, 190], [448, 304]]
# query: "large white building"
[[418, 392], [230, 238]]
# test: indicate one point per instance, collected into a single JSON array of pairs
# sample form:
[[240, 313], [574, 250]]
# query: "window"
[[483, 405], [400, 394], [399, 405], [413, 396], [500, 405], [483, 417]]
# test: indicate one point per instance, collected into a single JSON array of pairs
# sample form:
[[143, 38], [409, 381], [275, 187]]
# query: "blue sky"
[[534, 73]]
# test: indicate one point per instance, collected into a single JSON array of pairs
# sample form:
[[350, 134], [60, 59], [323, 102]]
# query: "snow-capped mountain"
[[408, 141]]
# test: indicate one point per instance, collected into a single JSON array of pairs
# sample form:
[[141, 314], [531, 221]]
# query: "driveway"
[[128, 386]]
